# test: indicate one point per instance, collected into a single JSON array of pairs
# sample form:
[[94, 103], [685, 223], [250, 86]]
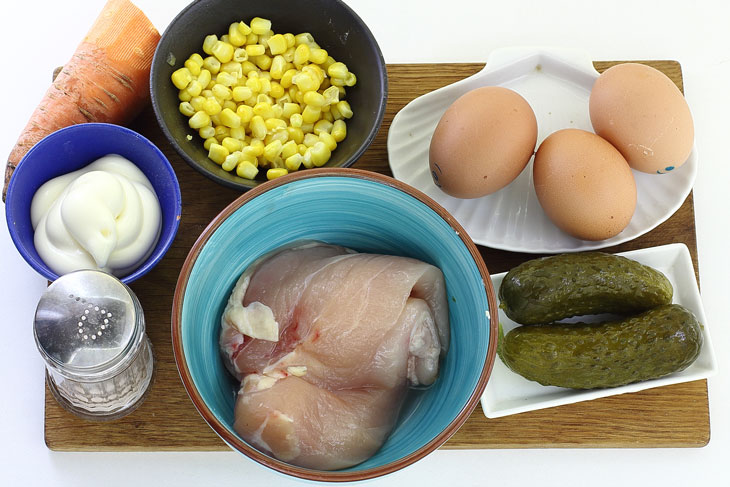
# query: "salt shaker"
[[90, 330]]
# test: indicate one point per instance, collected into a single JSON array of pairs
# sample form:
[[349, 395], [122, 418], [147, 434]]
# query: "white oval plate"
[[557, 84], [508, 393]]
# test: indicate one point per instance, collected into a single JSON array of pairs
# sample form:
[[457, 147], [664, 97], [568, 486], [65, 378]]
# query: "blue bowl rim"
[[152, 260], [319, 475], [244, 184]]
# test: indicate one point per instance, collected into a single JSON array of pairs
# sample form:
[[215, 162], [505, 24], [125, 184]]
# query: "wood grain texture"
[[670, 416]]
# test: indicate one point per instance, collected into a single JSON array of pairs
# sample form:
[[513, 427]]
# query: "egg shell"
[[482, 142], [643, 114], [584, 184]]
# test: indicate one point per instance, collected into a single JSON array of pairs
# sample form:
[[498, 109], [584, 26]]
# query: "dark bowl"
[[334, 26]]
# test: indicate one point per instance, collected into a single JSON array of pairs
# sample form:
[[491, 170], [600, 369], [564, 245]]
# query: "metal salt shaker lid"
[[85, 324]]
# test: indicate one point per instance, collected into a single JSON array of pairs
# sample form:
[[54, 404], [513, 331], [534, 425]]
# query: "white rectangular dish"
[[508, 393]]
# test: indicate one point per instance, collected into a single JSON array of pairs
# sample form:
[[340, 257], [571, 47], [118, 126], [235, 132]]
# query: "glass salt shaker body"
[[90, 329]]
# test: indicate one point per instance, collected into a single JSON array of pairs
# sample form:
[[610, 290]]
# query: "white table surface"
[[39, 35]]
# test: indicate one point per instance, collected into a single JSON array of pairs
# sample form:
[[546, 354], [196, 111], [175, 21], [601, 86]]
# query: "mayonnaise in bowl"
[[104, 216]]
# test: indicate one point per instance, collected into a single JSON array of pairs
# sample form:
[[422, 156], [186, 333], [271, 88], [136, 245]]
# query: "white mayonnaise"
[[104, 216]]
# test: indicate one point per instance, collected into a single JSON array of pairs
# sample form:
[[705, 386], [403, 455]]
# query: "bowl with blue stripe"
[[367, 212]]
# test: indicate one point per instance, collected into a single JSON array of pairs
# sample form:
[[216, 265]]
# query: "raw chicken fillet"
[[326, 342]]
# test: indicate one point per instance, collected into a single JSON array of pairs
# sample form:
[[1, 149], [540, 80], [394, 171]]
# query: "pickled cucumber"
[[656, 343], [558, 287]]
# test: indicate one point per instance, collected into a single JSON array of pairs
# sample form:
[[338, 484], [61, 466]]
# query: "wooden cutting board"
[[671, 416]]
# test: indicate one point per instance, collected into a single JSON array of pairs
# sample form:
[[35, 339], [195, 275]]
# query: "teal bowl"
[[369, 213]]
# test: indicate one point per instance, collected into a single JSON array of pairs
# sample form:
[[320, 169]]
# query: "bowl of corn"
[[248, 92]]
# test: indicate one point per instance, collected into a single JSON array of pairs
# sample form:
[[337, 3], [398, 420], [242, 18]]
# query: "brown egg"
[[584, 184], [482, 142], [644, 115]]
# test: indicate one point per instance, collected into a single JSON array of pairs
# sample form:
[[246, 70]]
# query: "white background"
[[37, 36]]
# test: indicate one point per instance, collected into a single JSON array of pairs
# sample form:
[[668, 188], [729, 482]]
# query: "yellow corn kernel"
[[337, 70], [246, 169], [286, 79], [265, 85], [255, 49], [288, 149], [186, 109], [320, 154], [240, 55], [296, 120], [311, 114], [215, 120], [235, 36], [231, 161], [199, 120], [275, 124], [276, 90], [290, 40], [301, 55], [293, 162], [277, 67], [183, 95], [342, 91], [239, 133], [310, 140], [196, 58], [306, 156], [295, 134], [331, 95], [258, 127], [313, 99], [233, 67], [252, 38], [277, 44], [278, 110], [254, 84], [194, 88], [304, 38], [317, 55], [221, 132], [339, 82], [229, 118], [226, 79], [327, 63], [339, 130], [263, 62], [211, 106], [222, 51], [245, 112], [209, 141], [217, 153], [260, 26], [264, 98], [276, 172], [263, 110], [280, 135], [193, 67], [290, 109], [258, 146], [306, 82], [350, 79], [232, 144], [225, 38], [244, 28], [315, 72], [212, 64], [229, 104], [240, 93], [307, 128], [322, 126], [222, 92], [335, 112], [181, 78], [272, 150], [197, 103], [327, 114], [289, 54], [247, 67], [344, 109], [209, 42], [206, 132], [328, 140]]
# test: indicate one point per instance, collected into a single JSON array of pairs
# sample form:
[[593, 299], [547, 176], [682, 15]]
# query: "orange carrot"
[[106, 80]]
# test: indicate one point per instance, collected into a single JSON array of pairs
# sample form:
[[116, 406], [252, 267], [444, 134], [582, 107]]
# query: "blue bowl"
[[72, 148], [369, 213]]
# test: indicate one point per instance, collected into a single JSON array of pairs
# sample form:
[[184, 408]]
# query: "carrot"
[[106, 80]]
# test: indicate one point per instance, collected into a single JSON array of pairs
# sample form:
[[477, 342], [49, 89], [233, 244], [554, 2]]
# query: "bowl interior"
[[335, 27], [72, 148], [369, 217]]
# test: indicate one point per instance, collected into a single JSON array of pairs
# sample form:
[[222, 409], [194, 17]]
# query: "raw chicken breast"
[[326, 342]]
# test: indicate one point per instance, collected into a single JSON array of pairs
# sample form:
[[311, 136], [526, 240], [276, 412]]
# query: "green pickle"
[[658, 342], [561, 286]]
